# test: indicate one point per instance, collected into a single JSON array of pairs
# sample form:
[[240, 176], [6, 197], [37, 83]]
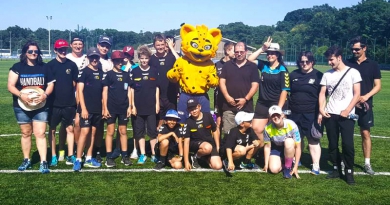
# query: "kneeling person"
[[282, 139], [240, 141], [169, 142], [201, 137]]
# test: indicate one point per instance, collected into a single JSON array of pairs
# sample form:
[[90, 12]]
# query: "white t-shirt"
[[343, 94], [81, 62], [107, 65]]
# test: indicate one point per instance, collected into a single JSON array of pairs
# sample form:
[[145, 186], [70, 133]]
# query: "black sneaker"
[[110, 162], [159, 166], [349, 177], [126, 161], [99, 158], [333, 175], [195, 163]]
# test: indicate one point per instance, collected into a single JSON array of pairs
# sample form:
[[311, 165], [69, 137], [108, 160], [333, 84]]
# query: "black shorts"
[[122, 119], [304, 122], [139, 128], [277, 150], [261, 110], [94, 120], [165, 105], [194, 147], [173, 150], [366, 119], [65, 115]]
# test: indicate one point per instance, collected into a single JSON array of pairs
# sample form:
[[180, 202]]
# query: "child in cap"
[[201, 137], [146, 105], [117, 107], [169, 142], [89, 90], [282, 140], [240, 141], [128, 63]]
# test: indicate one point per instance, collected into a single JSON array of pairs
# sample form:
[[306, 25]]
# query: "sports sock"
[[367, 161], [88, 158], [316, 166], [247, 161], [124, 153], [162, 159], [109, 154], [78, 159], [288, 162]]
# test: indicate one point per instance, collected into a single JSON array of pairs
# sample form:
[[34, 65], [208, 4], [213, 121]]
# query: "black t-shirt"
[[93, 88], [218, 96], [38, 75], [200, 130], [239, 82], [272, 82], [164, 129], [369, 70], [144, 83], [163, 65], [235, 137], [65, 74], [117, 97], [304, 91]]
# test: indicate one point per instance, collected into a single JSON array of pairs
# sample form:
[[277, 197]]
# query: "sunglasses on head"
[[32, 51], [356, 49]]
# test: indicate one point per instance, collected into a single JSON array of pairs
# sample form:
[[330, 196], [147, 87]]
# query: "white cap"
[[274, 109], [243, 117]]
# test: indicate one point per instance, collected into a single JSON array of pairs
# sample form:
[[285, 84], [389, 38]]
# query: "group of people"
[[83, 92]]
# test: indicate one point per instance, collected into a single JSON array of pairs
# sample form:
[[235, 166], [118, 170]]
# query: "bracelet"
[[245, 99], [20, 94]]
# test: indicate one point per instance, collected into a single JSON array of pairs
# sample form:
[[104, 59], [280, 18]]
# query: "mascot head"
[[200, 43]]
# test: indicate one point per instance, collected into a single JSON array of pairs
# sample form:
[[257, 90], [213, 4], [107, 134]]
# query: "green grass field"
[[125, 187]]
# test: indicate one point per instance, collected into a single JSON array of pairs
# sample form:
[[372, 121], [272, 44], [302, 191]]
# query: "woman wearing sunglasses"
[[30, 83], [274, 84], [304, 92]]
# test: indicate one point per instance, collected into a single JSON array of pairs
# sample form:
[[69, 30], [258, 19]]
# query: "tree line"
[[313, 29]]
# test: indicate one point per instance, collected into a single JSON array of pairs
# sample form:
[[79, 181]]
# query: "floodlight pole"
[[49, 19], [10, 40]]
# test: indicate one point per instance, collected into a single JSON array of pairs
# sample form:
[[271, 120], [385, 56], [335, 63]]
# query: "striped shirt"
[[278, 136]]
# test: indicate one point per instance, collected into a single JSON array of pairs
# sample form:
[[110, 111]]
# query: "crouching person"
[[169, 142], [282, 140]]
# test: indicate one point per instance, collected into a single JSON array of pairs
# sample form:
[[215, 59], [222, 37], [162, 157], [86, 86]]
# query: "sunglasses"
[[356, 49], [304, 62], [32, 51], [271, 53]]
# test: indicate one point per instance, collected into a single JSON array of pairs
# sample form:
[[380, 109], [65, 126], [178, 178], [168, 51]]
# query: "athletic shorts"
[[366, 119], [122, 119], [25, 117], [144, 124], [94, 120], [304, 122], [277, 150], [261, 110], [194, 147], [65, 115]]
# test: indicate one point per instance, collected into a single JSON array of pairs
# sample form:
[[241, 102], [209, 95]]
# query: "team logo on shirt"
[[97, 77], [208, 127], [162, 63], [239, 141], [119, 79], [200, 126], [311, 81], [67, 71], [145, 78]]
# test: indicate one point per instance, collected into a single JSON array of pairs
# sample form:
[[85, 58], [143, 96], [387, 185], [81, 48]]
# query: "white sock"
[[316, 166], [88, 158], [367, 161], [78, 159]]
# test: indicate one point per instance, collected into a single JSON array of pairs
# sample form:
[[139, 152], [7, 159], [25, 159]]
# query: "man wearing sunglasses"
[[62, 102], [370, 85]]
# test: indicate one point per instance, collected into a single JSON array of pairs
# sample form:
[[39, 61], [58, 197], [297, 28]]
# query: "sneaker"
[[26, 164], [61, 155], [110, 162], [77, 166], [142, 159], [126, 161], [225, 164], [315, 172], [159, 166], [287, 173], [349, 177], [44, 168], [99, 158], [368, 169], [134, 155], [250, 165], [333, 175], [116, 153], [154, 159], [195, 163], [54, 161], [70, 160], [92, 163]]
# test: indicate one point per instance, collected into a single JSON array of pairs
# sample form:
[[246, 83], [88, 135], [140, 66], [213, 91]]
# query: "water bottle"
[[353, 116], [214, 116]]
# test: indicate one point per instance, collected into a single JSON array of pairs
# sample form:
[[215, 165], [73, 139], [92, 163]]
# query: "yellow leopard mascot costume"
[[195, 72]]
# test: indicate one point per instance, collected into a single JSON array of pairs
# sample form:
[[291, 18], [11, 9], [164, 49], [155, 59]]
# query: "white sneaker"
[[134, 155]]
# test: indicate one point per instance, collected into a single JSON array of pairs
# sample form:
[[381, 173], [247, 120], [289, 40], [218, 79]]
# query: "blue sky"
[[151, 15]]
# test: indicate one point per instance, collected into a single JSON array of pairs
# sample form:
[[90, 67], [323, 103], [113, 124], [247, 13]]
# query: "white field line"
[[165, 170]]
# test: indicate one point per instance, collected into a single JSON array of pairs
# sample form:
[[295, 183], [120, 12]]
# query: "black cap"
[[77, 38], [192, 103], [105, 39], [93, 51]]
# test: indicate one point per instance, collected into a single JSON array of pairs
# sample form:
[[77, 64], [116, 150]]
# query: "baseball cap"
[[129, 50], [33, 92], [243, 117], [93, 51], [274, 109], [76, 38], [105, 39], [192, 103], [172, 114], [117, 55], [60, 43]]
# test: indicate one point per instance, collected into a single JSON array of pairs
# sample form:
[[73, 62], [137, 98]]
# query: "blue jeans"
[[25, 117], [182, 105]]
